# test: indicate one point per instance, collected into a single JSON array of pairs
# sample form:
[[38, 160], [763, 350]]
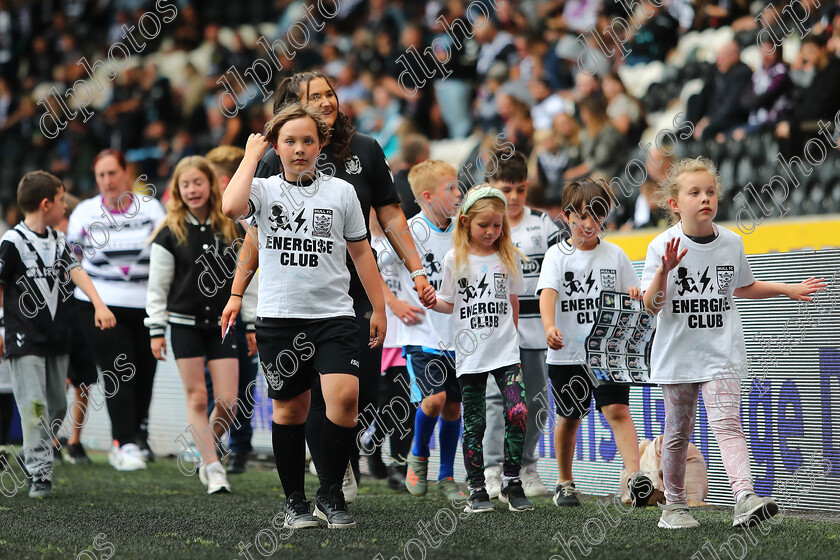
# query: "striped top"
[[114, 247]]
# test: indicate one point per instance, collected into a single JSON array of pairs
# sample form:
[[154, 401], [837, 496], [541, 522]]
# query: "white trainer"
[[349, 486], [531, 482], [126, 458], [216, 479], [493, 481]]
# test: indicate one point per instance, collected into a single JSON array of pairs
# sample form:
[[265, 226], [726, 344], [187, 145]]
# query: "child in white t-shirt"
[[573, 274], [699, 342], [481, 279], [532, 232], [307, 223]]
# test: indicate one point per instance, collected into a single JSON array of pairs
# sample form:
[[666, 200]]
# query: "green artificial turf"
[[97, 513]]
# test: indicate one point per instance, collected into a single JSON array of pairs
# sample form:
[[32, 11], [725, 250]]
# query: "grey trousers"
[[535, 375], [39, 385]]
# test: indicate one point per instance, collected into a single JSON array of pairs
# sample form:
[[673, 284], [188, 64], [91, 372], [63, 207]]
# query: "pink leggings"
[[722, 397]]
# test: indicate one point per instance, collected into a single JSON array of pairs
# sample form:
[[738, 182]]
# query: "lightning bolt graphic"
[[705, 280], [299, 221], [483, 284], [589, 282]]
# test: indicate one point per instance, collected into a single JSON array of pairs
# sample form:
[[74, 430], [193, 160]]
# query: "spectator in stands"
[[718, 106], [602, 147], [554, 152], [769, 99], [625, 111], [818, 100], [547, 104], [656, 37], [495, 45]]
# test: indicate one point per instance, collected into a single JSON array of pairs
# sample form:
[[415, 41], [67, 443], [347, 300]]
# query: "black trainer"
[[377, 466], [297, 512], [514, 496], [641, 488], [479, 502], [238, 463], [333, 509], [76, 454], [396, 476]]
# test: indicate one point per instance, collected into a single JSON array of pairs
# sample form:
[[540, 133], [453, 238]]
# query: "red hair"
[[120, 157]]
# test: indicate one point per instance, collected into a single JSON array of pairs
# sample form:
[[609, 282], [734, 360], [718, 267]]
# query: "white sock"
[[740, 495], [212, 465]]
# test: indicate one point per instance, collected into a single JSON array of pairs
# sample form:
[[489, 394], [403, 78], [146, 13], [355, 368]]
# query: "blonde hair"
[[424, 176], [508, 253], [176, 210], [669, 187], [225, 159]]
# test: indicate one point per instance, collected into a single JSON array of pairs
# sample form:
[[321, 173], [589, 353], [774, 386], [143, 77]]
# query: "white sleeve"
[[517, 280], [550, 272], [745, 275], [447, 285], [354, 220], [161, 274], [255, 197], [652, 262], [627, 277]]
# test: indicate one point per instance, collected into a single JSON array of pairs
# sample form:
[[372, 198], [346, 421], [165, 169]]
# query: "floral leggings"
[[722, 396], [473, 391]]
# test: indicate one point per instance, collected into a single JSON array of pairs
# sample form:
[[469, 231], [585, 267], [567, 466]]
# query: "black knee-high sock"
[[289, 445], [336, 445]]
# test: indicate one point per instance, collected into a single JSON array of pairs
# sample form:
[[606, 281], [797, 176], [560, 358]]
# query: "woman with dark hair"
[[359, 160], [602, 147], [111, 236]]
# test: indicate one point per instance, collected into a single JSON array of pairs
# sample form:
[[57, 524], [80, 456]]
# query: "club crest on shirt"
[[608, 279], [725, 273], [322, 219], [278, 217], [500, 285], [353, 165]]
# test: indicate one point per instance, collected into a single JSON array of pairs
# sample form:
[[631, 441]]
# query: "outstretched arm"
[[763, 290]]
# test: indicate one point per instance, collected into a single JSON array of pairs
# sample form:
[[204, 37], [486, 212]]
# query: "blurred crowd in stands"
[[515, 72]]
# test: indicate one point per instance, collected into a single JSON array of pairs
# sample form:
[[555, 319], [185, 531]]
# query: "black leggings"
[[119, 351], [370, 362], [7, 402]]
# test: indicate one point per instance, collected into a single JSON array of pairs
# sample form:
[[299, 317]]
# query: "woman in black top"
[[359, 160]]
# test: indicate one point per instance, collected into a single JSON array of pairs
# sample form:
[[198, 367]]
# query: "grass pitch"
[[98, 513]]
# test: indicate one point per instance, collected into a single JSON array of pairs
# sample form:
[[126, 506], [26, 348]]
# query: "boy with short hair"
[[34, 264], [577, 270], [427, 340], [532, 232]]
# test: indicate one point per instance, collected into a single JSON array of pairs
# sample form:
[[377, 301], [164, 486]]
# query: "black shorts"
[[200, 342], [573, 391], [294, 351], [431, 374]]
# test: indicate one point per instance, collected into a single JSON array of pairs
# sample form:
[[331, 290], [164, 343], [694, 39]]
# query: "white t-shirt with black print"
[[483, 331], [303, 235], [389, 265], [435, 330], [533, 236], [116, 248], [699, 333], [578, 277]]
